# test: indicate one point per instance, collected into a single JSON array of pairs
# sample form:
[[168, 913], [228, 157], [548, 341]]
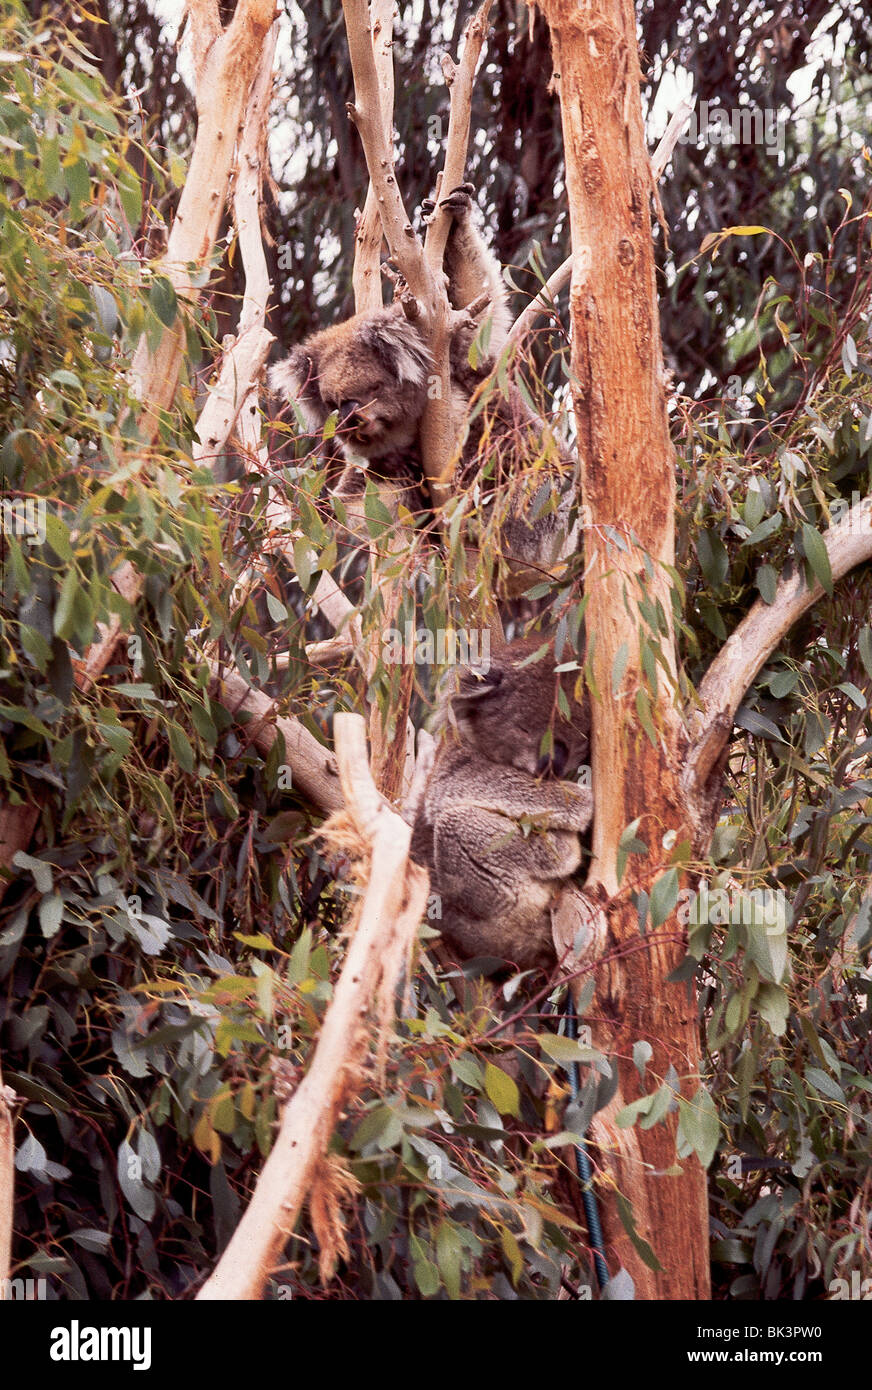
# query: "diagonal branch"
[[848, 544], [395, 899]]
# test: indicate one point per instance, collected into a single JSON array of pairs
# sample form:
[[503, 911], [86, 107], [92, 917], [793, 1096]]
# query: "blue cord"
[[585, 1168]]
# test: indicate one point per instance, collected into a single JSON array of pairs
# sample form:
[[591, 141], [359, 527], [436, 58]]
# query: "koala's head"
[[372, 370], [505, 710]]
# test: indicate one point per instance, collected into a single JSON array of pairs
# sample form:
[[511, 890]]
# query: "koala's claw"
[[459, 200], [458, 203]]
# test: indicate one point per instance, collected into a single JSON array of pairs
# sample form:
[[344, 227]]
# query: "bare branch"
[[542, 304], [368, 116], [205, 27], [240, 370], [677, 124], [848, 543], [368, 236], [395, 899], [437, 443], [460, 80], [229, 62]]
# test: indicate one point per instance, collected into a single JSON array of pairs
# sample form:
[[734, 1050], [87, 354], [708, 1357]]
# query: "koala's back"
[[497, 838]]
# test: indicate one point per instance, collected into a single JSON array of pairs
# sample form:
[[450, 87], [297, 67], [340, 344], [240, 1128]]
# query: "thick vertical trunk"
[[628, 490]]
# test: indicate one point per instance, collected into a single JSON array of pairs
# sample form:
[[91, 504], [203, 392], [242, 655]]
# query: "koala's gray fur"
[[496, 827], [373, 370]]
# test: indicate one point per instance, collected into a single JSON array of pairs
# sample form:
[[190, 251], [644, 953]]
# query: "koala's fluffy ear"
[[398, 344], [474, 685], [295, 377]]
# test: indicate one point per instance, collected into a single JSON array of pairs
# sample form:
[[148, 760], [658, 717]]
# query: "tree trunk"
[[628, 491]]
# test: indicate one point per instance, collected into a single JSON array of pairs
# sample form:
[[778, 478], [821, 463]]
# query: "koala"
[[374, 371], [497, 828]]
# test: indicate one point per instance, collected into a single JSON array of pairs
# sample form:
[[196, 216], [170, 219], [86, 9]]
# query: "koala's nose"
[[554, 762], [349, 413], [559, 758]]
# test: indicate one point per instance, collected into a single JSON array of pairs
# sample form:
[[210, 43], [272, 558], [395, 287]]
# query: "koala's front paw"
[[458, 202]]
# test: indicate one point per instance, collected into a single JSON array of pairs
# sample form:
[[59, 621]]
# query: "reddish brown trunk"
[[628, 485]]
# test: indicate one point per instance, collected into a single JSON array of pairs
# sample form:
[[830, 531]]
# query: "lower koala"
[[497, 827]]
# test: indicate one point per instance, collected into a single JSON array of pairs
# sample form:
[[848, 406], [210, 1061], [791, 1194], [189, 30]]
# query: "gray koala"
[[375, 370], [497, 827]]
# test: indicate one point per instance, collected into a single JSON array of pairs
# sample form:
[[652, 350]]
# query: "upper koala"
[[374, 371], [497, 828]]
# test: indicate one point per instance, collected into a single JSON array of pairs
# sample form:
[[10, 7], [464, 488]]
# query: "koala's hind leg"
[[471, 266]]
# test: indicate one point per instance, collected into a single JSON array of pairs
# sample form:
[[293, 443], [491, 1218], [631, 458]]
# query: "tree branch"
[[314, 769], [368, 234], [848, 544], [368, 116], [395, 899]]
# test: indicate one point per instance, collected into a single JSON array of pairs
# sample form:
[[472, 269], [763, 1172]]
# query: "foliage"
[[168, 944]]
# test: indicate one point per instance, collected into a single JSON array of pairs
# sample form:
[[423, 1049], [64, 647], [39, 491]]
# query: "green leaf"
[[782, 682], [501, 1090], [713, 558], [182, 750], [770, 527], [824, 1084], [664, 896], [512, 1252], [562, 1049], [619, 666], [64, 615], [816, 553], [864, 646], [468, 1070], [643, 709], [754, 507], [773, 1005], [426, 1277], [627, 845], [767, 583], [58, 537], [699, 1125], [304, 558], [163, 300], [276, 609], [43, 876], [640, 1245], [130, 193], [51, 911]]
